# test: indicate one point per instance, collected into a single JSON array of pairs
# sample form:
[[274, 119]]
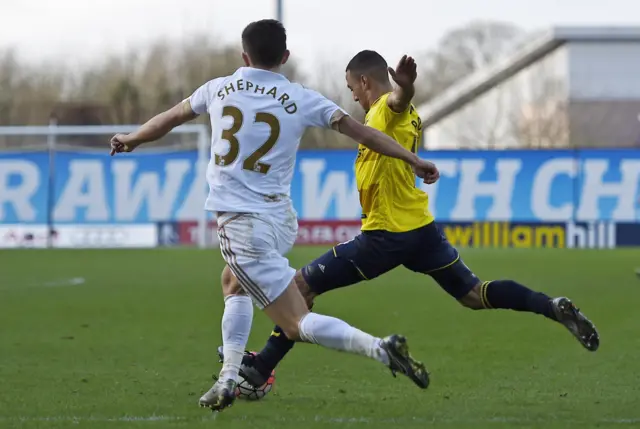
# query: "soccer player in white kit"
[[258, 117]]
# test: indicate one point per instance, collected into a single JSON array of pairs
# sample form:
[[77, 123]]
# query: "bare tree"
[[478, 126], [28, 93], [330, 81], [462, 51], [527, 111], [541, 122], [130, 87], [538, 115]]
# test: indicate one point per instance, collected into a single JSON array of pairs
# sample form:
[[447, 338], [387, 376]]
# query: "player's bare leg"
[[290, 311], [291, 314], [257, 368], [236, 325]]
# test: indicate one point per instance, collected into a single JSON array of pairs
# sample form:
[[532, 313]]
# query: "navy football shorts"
[[424, 250]]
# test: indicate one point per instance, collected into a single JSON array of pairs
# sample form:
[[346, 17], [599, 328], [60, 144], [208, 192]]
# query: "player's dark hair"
[[369, 63], [265, 42]]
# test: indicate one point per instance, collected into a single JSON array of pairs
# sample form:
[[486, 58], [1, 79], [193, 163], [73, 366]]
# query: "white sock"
[[335, 334], [236, 326]]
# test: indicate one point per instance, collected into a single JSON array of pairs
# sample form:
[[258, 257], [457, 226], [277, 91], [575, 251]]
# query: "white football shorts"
[[254, 245]]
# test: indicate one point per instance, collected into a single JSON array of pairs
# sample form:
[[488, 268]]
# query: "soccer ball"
[[246, 391]]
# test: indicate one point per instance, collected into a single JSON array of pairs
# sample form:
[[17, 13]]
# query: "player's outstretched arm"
[[373, 139], [154, 129], [404, 76], [383, 144]]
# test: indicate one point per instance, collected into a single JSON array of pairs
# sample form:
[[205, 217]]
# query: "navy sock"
[[274, 351], [511, 295]]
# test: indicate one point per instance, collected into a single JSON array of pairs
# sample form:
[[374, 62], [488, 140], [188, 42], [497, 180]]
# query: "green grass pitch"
[[133, 346]]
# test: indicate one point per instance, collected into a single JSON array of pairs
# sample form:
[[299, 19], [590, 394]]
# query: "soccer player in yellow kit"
[[397, 226]]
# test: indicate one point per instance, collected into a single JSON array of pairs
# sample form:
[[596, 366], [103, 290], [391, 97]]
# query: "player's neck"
[[379, 91], [272, 69]]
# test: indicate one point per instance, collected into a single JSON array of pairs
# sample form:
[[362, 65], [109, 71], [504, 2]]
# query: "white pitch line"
[[315, 419], [79, 419], [74, 281]]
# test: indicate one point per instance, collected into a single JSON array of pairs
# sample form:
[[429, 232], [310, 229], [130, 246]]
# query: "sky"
[[321, 33]]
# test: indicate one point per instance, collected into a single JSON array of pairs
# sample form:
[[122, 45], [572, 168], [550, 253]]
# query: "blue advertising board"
[[513, 186]]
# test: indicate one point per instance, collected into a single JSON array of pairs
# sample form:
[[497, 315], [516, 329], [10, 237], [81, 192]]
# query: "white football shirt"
[[257, 120]]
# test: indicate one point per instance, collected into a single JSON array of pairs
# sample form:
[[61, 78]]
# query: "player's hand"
[[427, 171], [120, 144], [405, 73]]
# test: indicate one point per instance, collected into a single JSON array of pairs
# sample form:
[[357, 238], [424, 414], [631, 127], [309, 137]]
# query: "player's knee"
[[288, 310], [304, 289], [472, 299], [230, 284], [292, 330]]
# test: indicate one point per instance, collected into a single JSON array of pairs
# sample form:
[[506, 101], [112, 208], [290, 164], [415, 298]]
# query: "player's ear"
[[364, 81], [246, 59], [285, 57]]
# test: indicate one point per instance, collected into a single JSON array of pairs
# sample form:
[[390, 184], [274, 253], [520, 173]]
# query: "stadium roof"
[[484, 79]]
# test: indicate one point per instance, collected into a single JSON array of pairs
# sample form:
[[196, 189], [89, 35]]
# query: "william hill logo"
[[525, 235]]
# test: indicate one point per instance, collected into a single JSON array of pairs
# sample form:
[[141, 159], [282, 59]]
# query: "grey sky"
[[319, 30]]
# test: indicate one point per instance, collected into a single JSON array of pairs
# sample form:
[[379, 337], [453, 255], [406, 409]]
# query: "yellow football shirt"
[[389, 197]]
